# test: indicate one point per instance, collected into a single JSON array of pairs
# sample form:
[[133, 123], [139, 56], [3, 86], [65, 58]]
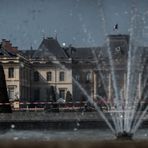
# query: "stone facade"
[[48, 73], [17, 72], [49, 77]]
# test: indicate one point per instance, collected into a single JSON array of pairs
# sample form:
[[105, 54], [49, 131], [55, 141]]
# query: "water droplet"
[[125, 12], [70, 13], [78, 124], [117, 14], [22, 64], [15, 138], [34, 41], [64, 44], [12, 126], [74, 38], [69, 139], [75, 129]]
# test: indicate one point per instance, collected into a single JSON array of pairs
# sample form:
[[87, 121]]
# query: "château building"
[[17, 71], [52, 72]]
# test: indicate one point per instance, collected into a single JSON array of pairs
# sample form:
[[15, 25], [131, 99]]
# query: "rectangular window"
[[77, 77], [11, 92], [62, 93], [61, 77], [36, 94], [11, 72], [49, 76], [36, 76]]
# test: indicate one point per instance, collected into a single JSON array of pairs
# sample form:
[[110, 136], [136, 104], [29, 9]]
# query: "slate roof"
[[48, 49], [27, 53], [88, 53], [82, 53]]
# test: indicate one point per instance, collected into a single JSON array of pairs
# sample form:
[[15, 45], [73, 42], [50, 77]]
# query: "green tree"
[[53, 94], [68, 97]]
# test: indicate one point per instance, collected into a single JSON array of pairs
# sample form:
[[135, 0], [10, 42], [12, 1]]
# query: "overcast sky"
[[77, 22]]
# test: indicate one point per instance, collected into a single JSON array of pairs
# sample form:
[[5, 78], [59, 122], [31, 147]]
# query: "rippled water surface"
[[74, 134]]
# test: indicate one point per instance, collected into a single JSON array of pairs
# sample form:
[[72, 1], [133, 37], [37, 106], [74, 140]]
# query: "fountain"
[[125, 109], [125, 105], [124, 136], [128, 87]]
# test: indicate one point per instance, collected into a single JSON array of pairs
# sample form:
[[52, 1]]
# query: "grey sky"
[[76, 22]]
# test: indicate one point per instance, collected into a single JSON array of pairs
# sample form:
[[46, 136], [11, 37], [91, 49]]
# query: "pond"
[[75, 134]]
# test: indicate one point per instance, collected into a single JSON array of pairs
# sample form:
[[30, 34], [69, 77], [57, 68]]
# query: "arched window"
[[61, 76], [49, 76], [77, 77], [88, 76]]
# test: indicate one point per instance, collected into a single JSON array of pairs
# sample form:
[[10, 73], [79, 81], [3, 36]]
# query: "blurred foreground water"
[[75, 134]]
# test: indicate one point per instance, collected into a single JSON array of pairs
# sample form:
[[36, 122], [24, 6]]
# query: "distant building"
[[48, 71], [52, 72], [17, 71]]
